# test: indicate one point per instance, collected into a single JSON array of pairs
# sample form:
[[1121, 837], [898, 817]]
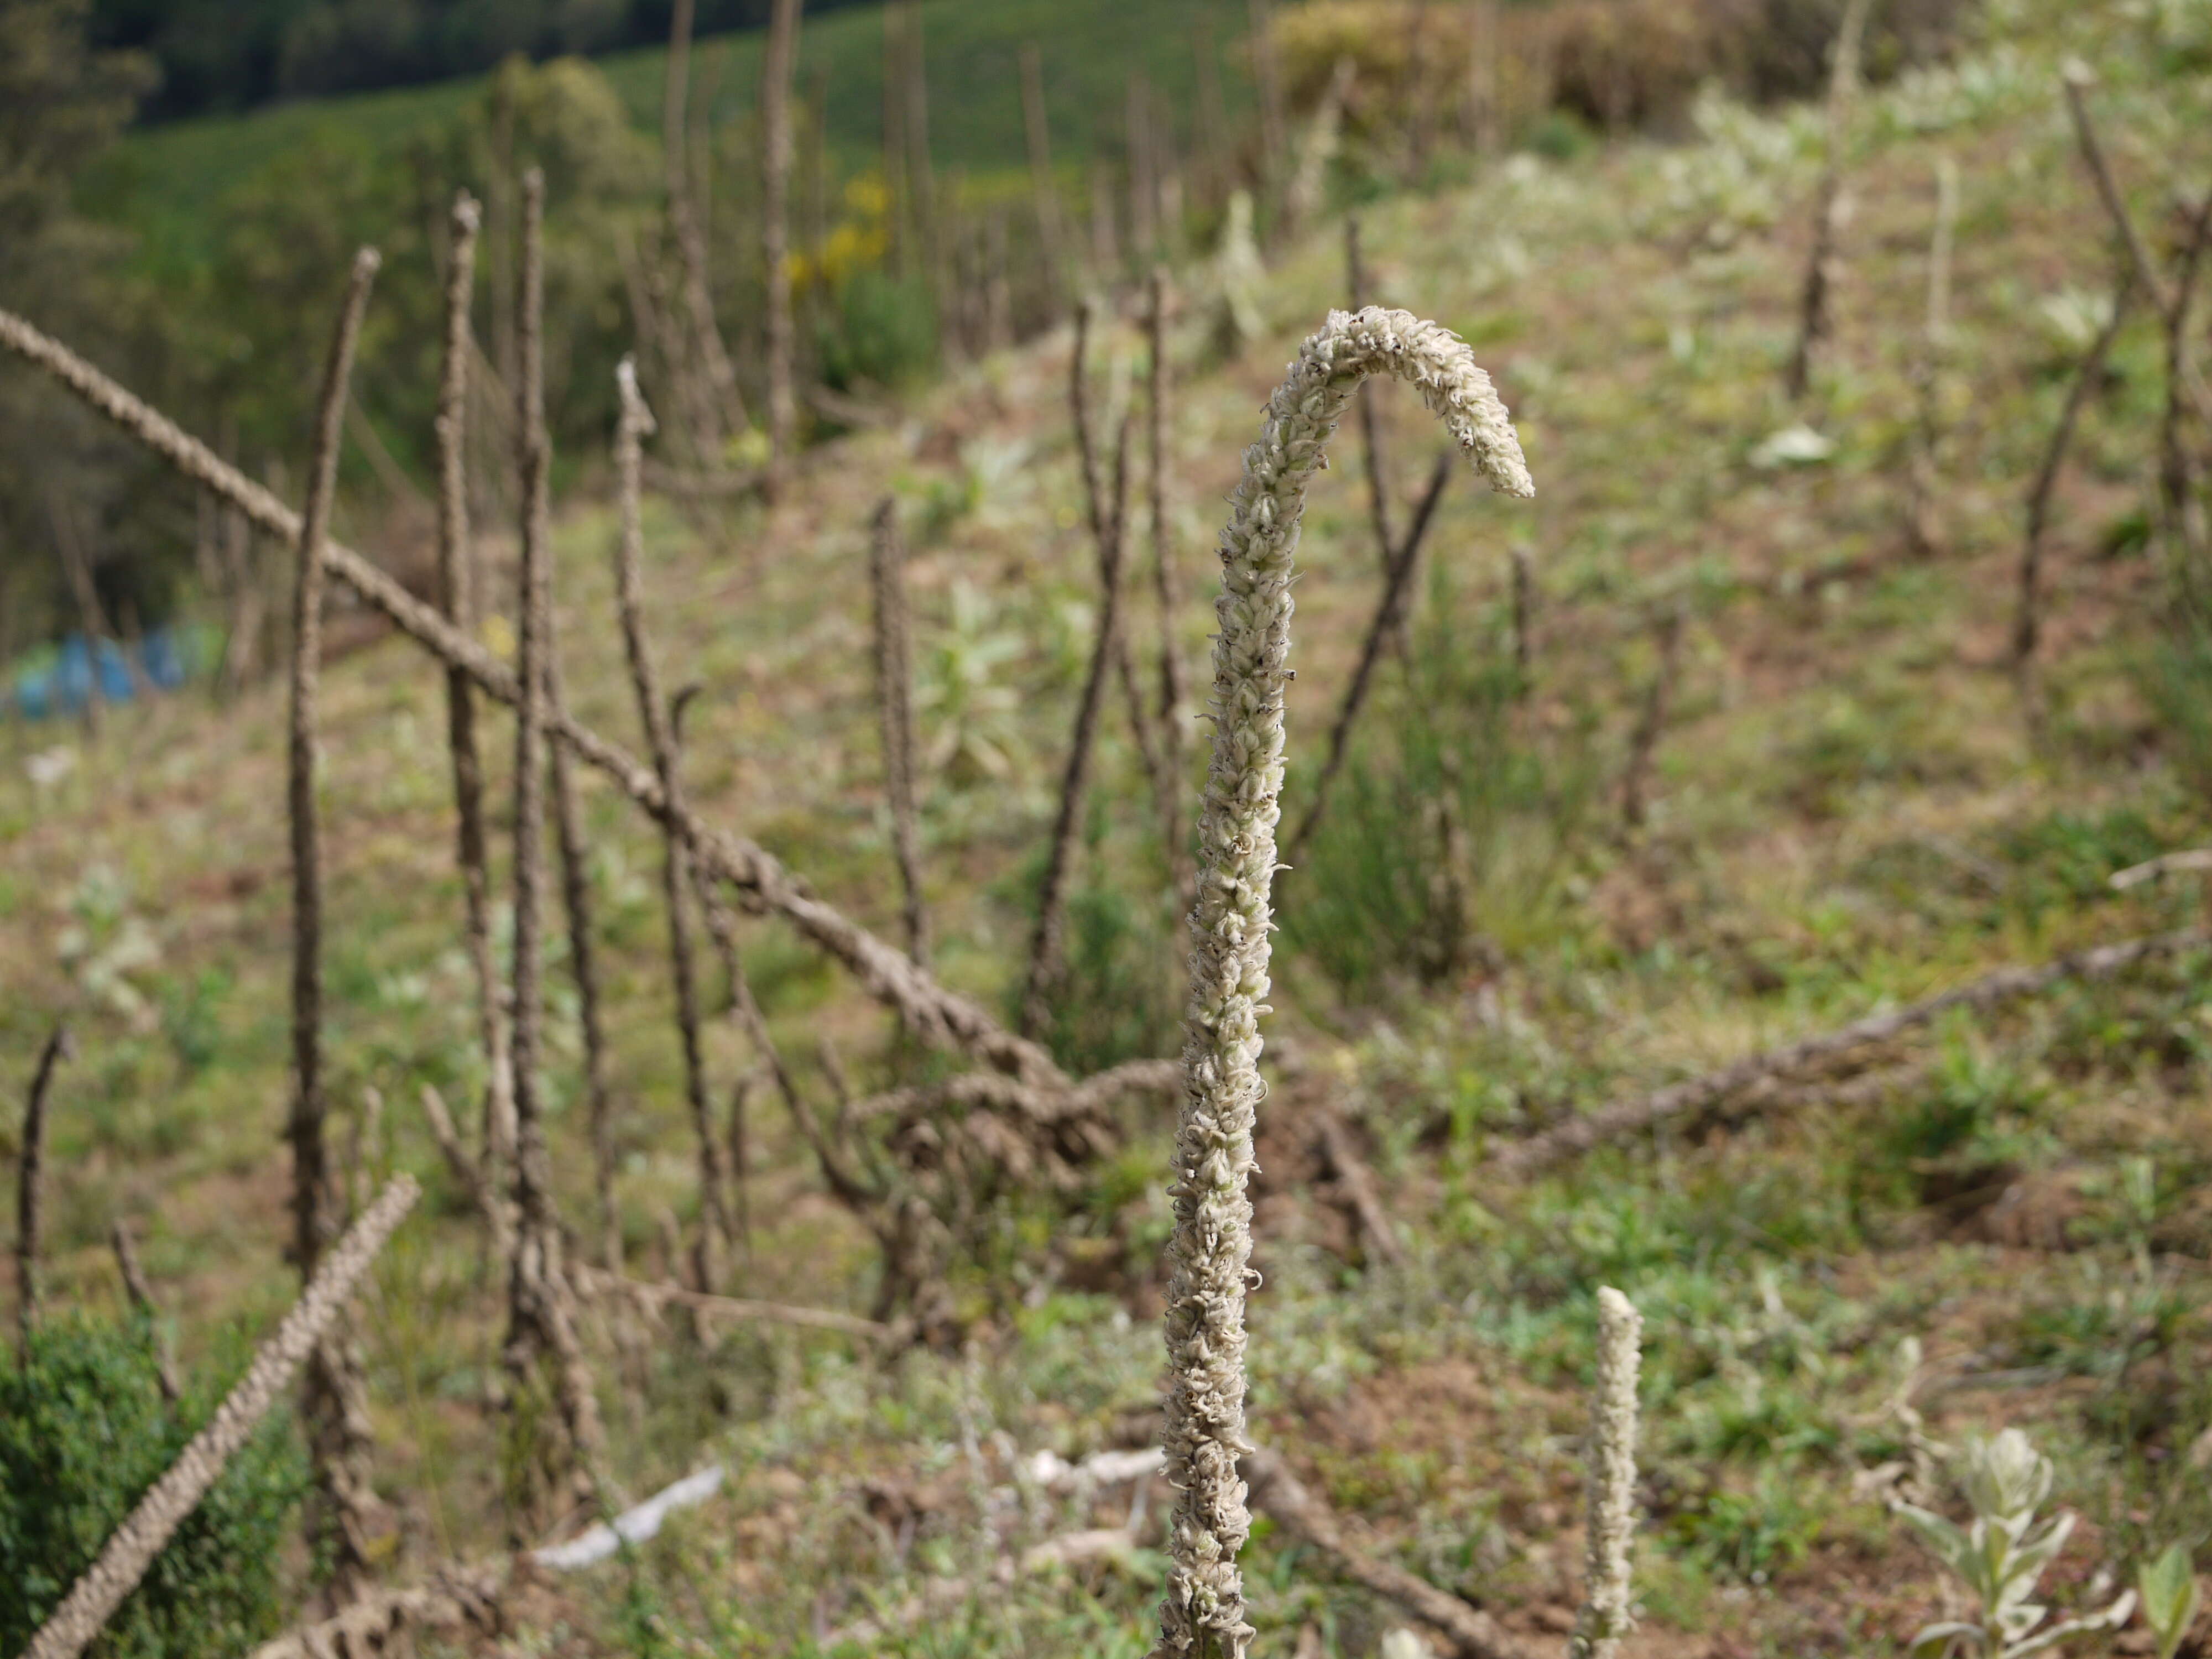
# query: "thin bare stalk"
[[1389, 612], [77, 567], [457, 577], [1044, 195], [1324, 135], [1831, 203], [124, 1560], [1210, 1247], [471, 1172], [583, 950], [636, 422], [896, 140], [1105, 524], [541, 1311], [2027, 615], [30, 1177], [338, 1419], [1267, 77], [1609, 1607], [2077, 78], [2185, 512], [895, 703], [936, 1017], [728, 405], [1144, 176], [1046, 945], [142, 1298], [929, 215], [1371, 432], [1174, 706], [1278, 1493], [1524, 617], [776, 66], [1927, 370], [1651, 723]]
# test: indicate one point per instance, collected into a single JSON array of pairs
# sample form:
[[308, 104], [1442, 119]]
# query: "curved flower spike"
[[1203, 1612]]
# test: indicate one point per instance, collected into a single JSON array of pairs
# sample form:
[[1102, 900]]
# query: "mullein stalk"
[[1202, 1613], [1928, 371], [1608, 1597], [776, 65], [634, 425], [336, 1408], [541, 1308], [457, 581], [1831, 207], [1047, 946], [2027, 613], [894, 704], [1174, 692], [30, 1176]]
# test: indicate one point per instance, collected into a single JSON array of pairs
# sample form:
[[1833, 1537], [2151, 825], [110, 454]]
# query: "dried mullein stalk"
[[1210, 1250], [30, 1169], [345, 1514], [457, 579]]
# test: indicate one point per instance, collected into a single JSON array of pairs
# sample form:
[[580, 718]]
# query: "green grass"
[[162, 185]]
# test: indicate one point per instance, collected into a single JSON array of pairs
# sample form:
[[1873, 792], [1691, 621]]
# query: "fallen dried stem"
[[1638, 1113]]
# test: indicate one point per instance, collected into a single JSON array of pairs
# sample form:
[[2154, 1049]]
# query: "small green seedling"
[[2001, 1557], [2168, 1587]]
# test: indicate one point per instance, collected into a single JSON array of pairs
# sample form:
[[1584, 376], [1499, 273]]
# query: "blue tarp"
[[60, 685]]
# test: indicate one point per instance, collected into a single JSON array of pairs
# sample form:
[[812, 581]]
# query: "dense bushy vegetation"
[[84, 1430]]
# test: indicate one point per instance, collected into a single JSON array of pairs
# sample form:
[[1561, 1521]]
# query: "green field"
[[164, 184]]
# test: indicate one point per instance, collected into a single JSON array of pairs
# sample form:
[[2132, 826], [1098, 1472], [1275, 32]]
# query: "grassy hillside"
[[163, 183], [1850, 808]]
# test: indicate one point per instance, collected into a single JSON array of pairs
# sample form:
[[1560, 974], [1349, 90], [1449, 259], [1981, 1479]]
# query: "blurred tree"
[[61, 103]]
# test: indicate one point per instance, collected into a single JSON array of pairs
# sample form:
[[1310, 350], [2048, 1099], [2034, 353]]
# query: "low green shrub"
[[83, 1432]]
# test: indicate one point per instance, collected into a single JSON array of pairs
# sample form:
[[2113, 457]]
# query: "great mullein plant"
[[1203, 1611], [2001, 1557]]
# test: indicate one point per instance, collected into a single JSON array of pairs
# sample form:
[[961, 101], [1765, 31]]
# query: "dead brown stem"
[[727, 406], [457, 574], [894, 705], [1355, 1182], [677, 880], [1370, 431], [2027, 617], [776, 65], [336, 1406], [1831, 204], [1389, 611], [1174, 712], [1275, 1490], [541, 1309], [1651, 723], [142, 1299], [1046, 952], [1044, 195], [30, 1177], [2077, 79], [1638, 1113]]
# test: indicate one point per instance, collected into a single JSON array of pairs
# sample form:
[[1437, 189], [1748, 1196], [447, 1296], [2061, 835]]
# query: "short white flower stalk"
[[1608, 1600], [1203, 1613]]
